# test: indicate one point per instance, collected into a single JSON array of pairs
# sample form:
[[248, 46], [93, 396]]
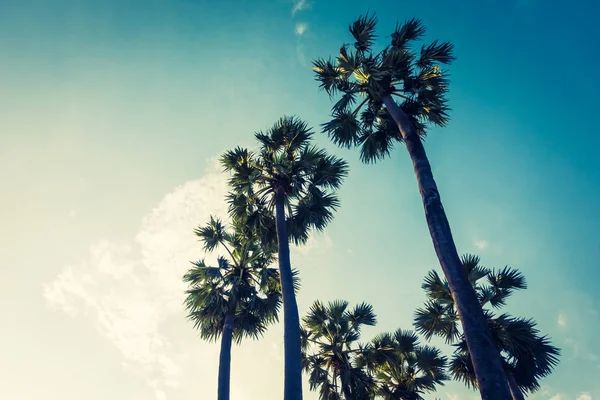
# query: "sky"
[[113, 114]]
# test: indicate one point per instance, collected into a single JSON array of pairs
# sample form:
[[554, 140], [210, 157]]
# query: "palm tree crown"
[[360, 77], [241, 284], [285, 163], [331, 331], [404, 369], [526, 355]]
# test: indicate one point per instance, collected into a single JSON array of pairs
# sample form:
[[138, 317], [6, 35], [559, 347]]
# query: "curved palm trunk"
[[515, 390], [225, 358], [292, 389], [490, 375]]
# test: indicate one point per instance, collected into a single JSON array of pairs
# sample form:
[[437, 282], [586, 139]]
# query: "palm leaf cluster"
[[285, 164], [242, 284], [359, 77], [526, 354], [392, 366], [404, 369], [334, 329]]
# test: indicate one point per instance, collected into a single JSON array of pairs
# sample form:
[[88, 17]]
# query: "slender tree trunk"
[[292, 389], [225, 358], [490, 375], [345, 387], [515, 390]]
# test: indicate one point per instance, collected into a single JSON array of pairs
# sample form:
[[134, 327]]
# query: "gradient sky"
[[113, 113]]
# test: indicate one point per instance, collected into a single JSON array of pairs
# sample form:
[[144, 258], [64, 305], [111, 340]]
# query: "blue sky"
[[112, 116]]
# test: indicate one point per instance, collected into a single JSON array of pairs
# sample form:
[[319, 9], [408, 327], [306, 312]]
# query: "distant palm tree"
[[286, 175], [370, 81], [237, 298], [527, 357], [331, 331], [403, 368], [393, 366]]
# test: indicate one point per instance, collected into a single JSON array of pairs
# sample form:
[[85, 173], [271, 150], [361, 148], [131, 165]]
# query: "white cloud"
[[130, 290], [481, 244], [300, 5], [562, 319], [301, 28], [452, 396], [556, 397], [301, 53], [585, 396], [316, 243]]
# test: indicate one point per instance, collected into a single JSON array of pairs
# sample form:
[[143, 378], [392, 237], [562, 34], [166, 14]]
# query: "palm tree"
[[237, 298], [371, 81], [331, 331], [295, 181], [527, 356], [404, 369]]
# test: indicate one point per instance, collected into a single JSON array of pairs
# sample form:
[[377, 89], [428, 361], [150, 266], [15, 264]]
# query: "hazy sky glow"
[[113, 113]]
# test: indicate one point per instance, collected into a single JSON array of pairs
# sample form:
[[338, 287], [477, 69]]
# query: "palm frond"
[[375, 145], [362, 314], [436, 319], [328, 171], [437, 289], [405, 341], [507, 280], [475, 272], [410, 30], [343, 129], [436, 52], [211, 234], [328, 75], [461, 369], [363, 31]]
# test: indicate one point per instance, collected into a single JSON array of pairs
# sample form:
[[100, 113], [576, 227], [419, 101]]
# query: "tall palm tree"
[[295, 181], [404, 369], [331, 331], [371, 81], [237, 298], [527, 356]]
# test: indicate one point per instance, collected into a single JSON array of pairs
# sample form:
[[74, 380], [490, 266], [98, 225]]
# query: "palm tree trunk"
[[490, 375], [292, 388], [515, 390], [225, 358], [345, 387]]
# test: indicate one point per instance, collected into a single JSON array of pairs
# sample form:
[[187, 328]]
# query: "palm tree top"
[[333, 329], [241, 284], [493, 286], [526, 354], [403, 367], [359, 77], [334, 322], [285, 163]]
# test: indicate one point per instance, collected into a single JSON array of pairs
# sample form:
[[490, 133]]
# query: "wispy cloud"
[[561, 320], [317, 243], [556, 397], [301, 53], [481, 244], [301, 28], [128, 291], [585, 396], [300, 5]]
